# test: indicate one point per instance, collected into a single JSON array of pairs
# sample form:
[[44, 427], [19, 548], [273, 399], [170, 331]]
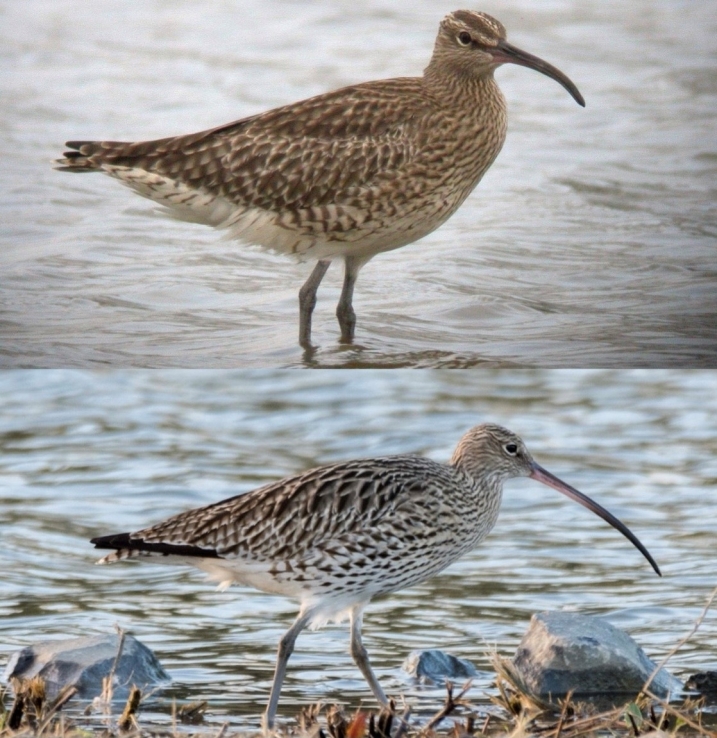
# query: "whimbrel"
[[336, 536], [345, 175]]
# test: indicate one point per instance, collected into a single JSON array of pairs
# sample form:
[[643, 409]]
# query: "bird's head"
[[491, 454], [473, 44]]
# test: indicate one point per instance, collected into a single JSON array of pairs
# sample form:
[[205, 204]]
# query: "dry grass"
[[646, 714], [515, 714], [569, 718]]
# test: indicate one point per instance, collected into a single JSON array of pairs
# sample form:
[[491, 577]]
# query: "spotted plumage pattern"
[[345, 175], [326, 177], [336, 536]]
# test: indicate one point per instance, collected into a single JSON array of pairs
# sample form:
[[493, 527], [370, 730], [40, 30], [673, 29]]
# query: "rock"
[[564, 651], [84, 662], [705, 682], [436, 666]]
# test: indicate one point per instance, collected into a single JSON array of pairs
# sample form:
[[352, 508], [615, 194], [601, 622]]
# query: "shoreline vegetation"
[[513, 712]]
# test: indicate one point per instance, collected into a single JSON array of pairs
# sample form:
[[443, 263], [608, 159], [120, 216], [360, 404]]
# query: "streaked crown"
[[464, 44], [491, 452], [483, 28]]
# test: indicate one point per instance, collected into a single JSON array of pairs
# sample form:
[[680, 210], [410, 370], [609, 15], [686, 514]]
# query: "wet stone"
[[435, 665], [565, 651], [705, 682], [84, 662]]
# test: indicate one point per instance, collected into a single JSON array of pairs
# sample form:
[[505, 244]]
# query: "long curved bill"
[[505, 53], [544, 476]]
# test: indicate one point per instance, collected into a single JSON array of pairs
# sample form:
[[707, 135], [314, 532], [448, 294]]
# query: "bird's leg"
[[307, 301], [286, 647], [344, 310], [360, 655]]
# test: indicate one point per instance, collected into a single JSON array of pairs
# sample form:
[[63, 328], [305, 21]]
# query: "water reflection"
[[589, 243], [87, 454]]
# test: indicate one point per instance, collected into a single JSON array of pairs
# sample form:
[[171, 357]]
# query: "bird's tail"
[[128, 547], [120, 555], [81, 158], [122, 545], [94, 156]]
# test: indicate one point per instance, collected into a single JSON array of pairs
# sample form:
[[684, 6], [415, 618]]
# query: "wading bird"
[[336, 536], [345, 175]]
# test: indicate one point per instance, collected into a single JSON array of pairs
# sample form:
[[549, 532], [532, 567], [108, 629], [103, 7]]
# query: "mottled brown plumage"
[[336, 536], [348, 174]]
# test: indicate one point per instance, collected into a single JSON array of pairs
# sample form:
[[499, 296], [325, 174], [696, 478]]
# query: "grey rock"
[[436, 666], [565, 651], [84, 662]]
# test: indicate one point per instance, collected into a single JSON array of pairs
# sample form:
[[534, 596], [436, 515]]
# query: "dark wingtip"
[[77, 145], [77, 158], [124, 541], [116, 541]]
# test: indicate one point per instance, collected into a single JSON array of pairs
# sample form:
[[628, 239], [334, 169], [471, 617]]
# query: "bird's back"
[[357, 528], [373, 166]]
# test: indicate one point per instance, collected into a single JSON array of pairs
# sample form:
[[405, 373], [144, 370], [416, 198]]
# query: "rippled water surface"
[[87, 454], [591, 241]]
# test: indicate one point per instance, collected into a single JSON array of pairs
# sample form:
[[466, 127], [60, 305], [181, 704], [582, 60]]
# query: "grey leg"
[[286, 647], [344, 311], [360, 655], [307, 301]]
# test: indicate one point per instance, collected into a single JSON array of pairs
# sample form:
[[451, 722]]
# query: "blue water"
[[85, 454]]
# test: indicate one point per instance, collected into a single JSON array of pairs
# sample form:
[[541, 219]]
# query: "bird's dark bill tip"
[[544, 476], [505, 53]]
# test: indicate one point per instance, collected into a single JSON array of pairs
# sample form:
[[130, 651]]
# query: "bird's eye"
[[464, 38], [511, 449]]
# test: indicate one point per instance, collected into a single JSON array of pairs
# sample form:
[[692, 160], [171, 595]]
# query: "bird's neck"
[[483, 493], [460, 90], [474, 104]]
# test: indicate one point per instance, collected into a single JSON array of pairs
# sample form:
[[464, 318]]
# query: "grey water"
[[590, 242], [84, 454]]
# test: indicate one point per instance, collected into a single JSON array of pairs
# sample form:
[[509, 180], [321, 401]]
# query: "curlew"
[[345, 175], [336, 536]]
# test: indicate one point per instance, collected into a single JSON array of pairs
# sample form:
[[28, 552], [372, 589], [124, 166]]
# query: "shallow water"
[[591, 241], [86, 454]]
